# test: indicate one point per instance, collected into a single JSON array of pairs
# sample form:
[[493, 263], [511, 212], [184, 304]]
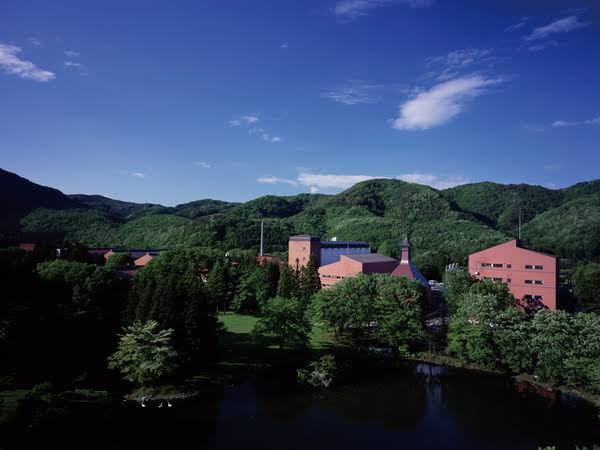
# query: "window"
[[529, 267], [538, 267], [533, 297], [497, 265], [508, 266], [538, 282], [508, 280], [498, 279], [528, 281], [486, 265]]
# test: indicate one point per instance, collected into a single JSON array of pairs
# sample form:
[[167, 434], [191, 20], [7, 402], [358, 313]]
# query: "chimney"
[[405, 251]]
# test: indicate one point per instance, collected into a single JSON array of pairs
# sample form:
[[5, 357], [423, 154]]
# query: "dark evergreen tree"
[[310, 283], [219, 285], [288, 283]]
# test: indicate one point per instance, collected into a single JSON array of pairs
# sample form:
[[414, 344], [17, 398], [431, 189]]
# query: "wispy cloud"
[[11, 64], [250, 122], [457, 62], [34, 41], [354, 91], [441, 103], [316, 182], [73, 65], [560, 26], [284, 45], [518, 25], [567, 123], [71, 53], [138, 174], [202, 164], [349, 10]]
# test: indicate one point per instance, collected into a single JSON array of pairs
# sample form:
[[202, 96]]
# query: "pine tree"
[[288, 283], [310, 283], [219, 286]]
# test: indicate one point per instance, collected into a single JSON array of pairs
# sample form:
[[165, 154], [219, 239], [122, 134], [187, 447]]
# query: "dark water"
[[414, 407]]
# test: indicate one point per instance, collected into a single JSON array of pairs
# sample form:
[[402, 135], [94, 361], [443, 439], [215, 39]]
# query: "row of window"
[[533, 297], [331, 276], [509, 280], [509, 266]]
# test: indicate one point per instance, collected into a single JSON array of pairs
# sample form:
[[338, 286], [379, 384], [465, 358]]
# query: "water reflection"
[[415, 406]]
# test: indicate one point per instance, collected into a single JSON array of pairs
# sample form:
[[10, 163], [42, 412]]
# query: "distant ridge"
[[444, 226]]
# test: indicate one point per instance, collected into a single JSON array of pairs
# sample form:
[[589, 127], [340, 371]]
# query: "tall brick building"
[[532, 277]]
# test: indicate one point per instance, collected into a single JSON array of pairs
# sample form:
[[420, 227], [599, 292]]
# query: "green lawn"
[[240, 326]]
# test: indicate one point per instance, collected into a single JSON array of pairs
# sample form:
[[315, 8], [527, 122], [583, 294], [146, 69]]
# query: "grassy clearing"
[[9, 400]]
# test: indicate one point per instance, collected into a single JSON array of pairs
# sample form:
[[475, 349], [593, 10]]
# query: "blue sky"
[[168, 102]]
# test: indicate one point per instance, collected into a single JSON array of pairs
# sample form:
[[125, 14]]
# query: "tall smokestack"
[[262, 236]]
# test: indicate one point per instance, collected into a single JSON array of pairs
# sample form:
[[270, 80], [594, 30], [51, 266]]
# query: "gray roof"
[[343, 244], [370, 257]]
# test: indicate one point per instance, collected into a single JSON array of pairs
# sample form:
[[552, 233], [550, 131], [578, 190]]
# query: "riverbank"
[[446, 360], [242, 358]]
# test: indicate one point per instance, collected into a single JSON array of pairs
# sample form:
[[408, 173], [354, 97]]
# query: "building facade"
[[325, 252], [532, 277], [353, 264]]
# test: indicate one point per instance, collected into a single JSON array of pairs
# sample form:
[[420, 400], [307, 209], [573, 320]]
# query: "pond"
[[416, 406]]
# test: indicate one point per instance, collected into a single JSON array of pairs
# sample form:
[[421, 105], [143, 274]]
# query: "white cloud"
[[441, 103], [348, 10], [594, 121], [559, 26], [284, 45], [202, 164], [71, 53], [316, 182], [138, 174], [269, 179], [433, 180], [244, 120], [354, 92], [275, 139], [565, 123], [11, 64]]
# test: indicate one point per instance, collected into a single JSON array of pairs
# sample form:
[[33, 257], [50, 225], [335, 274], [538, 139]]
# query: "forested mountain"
[[444, 226], [19, 196]]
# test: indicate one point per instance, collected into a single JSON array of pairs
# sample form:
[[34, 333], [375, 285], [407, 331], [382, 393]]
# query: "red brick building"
[[351, 265], [341, 259], [532, 277]]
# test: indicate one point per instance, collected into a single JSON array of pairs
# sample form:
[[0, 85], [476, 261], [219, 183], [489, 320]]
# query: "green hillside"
[[444, 226], [570, 231], [499, 205]]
